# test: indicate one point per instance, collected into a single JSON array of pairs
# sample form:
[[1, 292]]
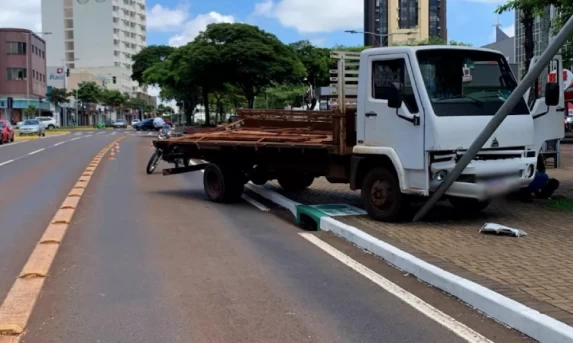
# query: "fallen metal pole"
[[498, 118]]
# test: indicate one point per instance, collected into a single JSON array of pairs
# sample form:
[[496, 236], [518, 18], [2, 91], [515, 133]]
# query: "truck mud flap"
[[181, 170]]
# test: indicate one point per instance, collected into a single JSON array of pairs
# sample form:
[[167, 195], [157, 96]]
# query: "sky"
[[323, 22]]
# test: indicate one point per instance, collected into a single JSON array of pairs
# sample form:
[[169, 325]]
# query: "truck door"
[[401, 129], [548, 123]]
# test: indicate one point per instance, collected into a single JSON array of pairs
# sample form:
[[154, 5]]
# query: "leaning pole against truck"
[[401, 119]]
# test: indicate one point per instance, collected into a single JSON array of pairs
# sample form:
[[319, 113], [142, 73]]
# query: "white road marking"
[[113, 133], [77, 134], [256, 203], [6, 162], [100, 133], [14, 143], [36, 151], [60, 143], [74, 139], [431, 312]]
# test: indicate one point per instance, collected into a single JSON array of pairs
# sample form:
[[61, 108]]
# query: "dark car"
[[144, 125]]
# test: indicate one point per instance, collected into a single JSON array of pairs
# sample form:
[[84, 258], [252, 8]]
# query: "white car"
[[158, 122], [134, 121], [49, 122]]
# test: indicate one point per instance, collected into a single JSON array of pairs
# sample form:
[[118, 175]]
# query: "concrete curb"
[[510, 312]]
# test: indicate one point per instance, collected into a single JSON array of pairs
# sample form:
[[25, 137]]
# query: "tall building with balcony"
[[96, 35], [391, 22], [22, 71]]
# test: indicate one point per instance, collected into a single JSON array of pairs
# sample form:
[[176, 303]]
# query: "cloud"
[[24, 14], [318, 41], [510, 30], [314, 16], [161, 18], [194, 26], [153, 90]]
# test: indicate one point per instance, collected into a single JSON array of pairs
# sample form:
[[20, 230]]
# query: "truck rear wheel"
[[222, 184], [295, 182], [468, 205], [381, 196]]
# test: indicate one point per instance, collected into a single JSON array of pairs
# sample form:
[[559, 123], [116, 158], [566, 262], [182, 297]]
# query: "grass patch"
[[561, 204]]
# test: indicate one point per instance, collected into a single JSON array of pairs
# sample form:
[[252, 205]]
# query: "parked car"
[[49, 122], [120, 124], [33, 127], [6, 132], [158, 123], [144, 125], [18, 124], [109, 123], [134, 121]]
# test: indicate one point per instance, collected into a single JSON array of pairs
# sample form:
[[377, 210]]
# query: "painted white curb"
[[518, 316], [510, 312], [274, 197]]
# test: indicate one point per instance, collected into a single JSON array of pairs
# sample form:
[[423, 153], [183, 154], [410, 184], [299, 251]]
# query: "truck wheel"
[[222, 184], [381, 196], [295, 182], [468, 205]]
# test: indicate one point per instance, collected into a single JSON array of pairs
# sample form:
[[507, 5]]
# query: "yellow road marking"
[[19, 303]]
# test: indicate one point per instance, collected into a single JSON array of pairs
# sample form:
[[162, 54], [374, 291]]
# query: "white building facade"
[[96, 35]]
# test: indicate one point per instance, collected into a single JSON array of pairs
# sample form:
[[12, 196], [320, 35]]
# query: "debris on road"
[[498, 229]]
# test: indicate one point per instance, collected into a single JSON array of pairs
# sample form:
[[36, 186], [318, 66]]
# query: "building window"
[[16, 48], [16, 74]]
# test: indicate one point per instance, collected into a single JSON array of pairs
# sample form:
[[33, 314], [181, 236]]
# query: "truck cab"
[[418, 111]]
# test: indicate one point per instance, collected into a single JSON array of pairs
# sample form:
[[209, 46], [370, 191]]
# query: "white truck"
[[404, 116]]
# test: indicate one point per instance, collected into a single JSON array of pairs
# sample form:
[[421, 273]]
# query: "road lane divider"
[[36, 151], [6, 162], [19, 303]]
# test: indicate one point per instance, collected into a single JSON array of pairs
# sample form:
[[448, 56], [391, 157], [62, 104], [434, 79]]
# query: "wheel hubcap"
[[381, 194]]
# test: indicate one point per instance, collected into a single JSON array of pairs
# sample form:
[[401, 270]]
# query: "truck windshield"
[[467, 82]]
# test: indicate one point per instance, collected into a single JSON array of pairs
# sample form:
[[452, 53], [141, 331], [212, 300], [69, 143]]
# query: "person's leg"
[[549, 189]]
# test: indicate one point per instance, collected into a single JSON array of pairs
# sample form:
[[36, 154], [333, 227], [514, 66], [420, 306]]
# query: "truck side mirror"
[[551, 94], [394, 97]]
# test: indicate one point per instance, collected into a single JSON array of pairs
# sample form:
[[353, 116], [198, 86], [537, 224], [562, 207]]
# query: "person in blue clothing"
[[541, 186]]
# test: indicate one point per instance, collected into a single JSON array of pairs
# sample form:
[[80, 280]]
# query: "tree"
[[30, 111], [527, 11], [315, 60], [250, 58], [113, 98], [148, 57], [89, 92], [58, 96], [434, 40]]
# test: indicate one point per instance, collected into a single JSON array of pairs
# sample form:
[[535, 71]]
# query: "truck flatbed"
[[261, 129]]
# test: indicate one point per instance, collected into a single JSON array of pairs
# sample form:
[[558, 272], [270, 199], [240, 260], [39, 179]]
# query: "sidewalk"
[[536, 270]]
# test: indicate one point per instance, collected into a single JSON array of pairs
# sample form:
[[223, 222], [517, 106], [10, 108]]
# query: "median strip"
[[17, 307]]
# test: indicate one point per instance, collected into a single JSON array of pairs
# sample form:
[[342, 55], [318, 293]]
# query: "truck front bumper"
[[485, 179]]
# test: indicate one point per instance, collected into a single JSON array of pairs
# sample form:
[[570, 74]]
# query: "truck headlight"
[[530, 171], [440, 175]]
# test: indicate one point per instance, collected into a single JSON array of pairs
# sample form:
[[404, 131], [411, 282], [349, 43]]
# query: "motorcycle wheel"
[[153, 161]]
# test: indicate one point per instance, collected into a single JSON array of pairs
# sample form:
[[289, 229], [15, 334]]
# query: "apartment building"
[[391, 22], [22, 71], [541, 35], [96, 35]]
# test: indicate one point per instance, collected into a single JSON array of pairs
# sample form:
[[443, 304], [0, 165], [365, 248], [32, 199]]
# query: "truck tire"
[[222, 184], [381, 196], [468, 205], [295, 182]]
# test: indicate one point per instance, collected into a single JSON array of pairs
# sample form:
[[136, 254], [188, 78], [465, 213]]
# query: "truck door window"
[[393, 73]]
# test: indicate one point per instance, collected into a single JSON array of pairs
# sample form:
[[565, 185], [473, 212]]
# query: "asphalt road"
[[148, 259], [35, 177]]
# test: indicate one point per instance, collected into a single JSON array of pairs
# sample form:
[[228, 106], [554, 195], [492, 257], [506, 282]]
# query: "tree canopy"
[[228, 66], [58, 96]]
